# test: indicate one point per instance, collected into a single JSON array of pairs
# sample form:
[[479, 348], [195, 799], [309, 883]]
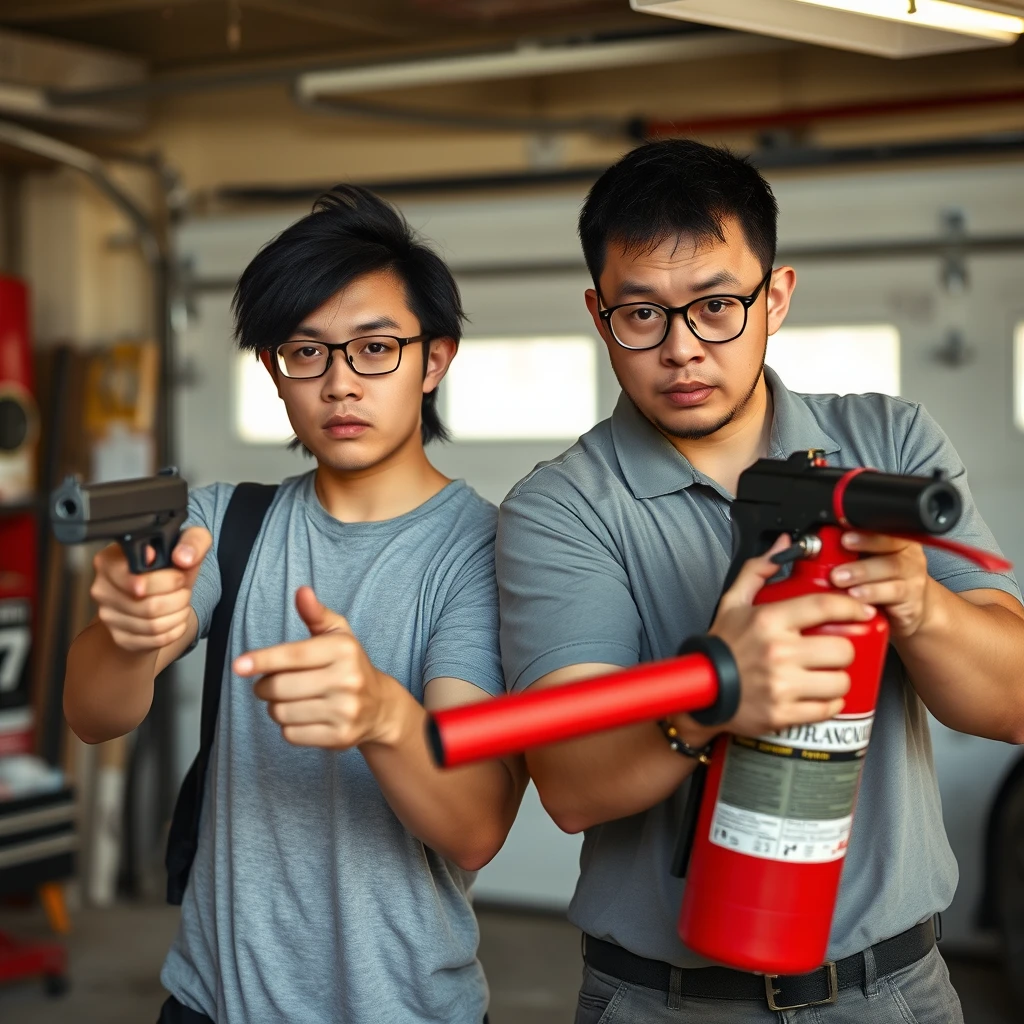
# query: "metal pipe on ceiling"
[[883, 249], [529, 59]]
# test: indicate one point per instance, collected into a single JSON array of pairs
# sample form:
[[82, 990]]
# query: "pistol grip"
[[161, 538]]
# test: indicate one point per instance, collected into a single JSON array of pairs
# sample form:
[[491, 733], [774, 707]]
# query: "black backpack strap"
[[238, 532]]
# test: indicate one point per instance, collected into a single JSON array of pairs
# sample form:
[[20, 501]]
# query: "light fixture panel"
[[805, 21]]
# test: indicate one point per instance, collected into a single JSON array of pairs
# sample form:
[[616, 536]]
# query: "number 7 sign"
[[15, 644]]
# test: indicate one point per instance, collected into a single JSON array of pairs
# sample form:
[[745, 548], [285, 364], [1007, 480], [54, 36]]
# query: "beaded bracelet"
[[680, 746]]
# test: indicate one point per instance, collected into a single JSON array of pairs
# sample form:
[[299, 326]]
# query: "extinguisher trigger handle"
[[727, 672]]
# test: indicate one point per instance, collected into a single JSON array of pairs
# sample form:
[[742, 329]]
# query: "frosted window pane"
[[259, 414], [837, 360], [508, 389], [1018, 376]]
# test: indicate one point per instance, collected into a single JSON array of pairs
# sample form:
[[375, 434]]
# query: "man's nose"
[[681, 346], [341, 381]]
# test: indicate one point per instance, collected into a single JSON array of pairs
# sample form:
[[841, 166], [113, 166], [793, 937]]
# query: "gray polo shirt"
[[616, 550]]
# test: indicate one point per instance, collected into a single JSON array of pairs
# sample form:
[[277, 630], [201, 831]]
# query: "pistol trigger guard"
[[134, 549], [162, 539]]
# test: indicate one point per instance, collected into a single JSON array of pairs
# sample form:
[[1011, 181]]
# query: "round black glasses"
[[368, 357], [711, 318]]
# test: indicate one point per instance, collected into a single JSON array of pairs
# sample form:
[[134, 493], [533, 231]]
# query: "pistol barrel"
[[116, 509]]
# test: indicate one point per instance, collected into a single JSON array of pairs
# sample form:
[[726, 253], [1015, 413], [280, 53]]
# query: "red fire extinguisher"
[[777, 811]]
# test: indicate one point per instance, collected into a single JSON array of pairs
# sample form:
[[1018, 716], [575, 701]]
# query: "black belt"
[[780, 991]]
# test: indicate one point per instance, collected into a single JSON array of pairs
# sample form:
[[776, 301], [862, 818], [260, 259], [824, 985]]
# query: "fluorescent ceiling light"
[[939, 14], [529, 59], [880, 27]]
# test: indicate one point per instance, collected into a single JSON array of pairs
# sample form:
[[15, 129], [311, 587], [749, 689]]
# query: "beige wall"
[[89, 283]]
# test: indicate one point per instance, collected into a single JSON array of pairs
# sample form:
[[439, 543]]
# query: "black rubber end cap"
[[434, 742], [728, 673]]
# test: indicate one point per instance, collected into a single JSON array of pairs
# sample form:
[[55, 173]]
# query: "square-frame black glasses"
[[712, 319], [371, 356]]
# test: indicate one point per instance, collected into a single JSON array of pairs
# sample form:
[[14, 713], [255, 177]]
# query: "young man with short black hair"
[[334, 860], [615, 551]]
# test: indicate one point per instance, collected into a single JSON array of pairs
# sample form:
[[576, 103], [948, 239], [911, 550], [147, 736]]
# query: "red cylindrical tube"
[[510, 725]]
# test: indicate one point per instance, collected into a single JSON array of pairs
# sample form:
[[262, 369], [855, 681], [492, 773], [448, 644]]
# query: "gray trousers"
[[918, 994]]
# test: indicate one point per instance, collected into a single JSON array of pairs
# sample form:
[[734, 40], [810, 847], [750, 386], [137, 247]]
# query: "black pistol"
[[138, 514]]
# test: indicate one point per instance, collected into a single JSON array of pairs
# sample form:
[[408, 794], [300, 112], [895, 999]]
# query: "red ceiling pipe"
[[653, 129]]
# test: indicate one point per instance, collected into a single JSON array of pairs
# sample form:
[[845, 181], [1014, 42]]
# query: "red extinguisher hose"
[[703, 679]]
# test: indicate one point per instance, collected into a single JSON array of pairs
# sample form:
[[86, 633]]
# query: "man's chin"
[[690, 424], [343, 456]]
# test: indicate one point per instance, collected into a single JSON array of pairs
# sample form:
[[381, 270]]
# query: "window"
[[1018, 376], [259, 414], [838, 360], [510, 389]]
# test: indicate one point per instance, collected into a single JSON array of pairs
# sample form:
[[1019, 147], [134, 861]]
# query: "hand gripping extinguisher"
[[761, 889], [776, 811]]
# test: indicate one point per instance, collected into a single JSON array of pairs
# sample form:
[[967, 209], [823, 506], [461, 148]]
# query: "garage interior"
[[148, 148]]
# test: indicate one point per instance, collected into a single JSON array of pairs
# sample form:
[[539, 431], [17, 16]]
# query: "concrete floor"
[[532, 962]]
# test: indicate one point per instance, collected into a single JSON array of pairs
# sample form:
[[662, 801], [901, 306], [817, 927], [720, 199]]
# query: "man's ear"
[[440, 353], [780, 293], [268, 362], [593, 305]]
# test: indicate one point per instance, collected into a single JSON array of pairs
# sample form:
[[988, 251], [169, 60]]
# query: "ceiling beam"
[[30, 11], [60, 10]]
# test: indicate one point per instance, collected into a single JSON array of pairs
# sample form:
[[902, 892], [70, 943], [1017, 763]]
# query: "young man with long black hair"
[[334, 860], [615, 551]]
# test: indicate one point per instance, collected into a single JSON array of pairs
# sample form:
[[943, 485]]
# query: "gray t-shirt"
[[308, 901], [617, 550]]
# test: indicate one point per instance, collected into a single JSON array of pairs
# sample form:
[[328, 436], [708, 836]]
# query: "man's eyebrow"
[[309, 331], [637, 289], [375, 325], [716, 281]]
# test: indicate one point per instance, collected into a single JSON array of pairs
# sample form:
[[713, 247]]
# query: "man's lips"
[[345, 426], [688, 393]]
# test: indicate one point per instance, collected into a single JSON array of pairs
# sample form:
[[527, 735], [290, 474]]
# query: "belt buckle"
[[771, 991]]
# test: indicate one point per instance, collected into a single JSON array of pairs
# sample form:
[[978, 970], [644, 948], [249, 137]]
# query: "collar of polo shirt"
[[652, 466]]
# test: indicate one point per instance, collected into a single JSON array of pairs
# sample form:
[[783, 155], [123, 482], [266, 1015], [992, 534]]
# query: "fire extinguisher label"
[[789, 796]]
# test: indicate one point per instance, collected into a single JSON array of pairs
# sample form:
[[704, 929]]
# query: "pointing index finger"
[[299, 655]]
